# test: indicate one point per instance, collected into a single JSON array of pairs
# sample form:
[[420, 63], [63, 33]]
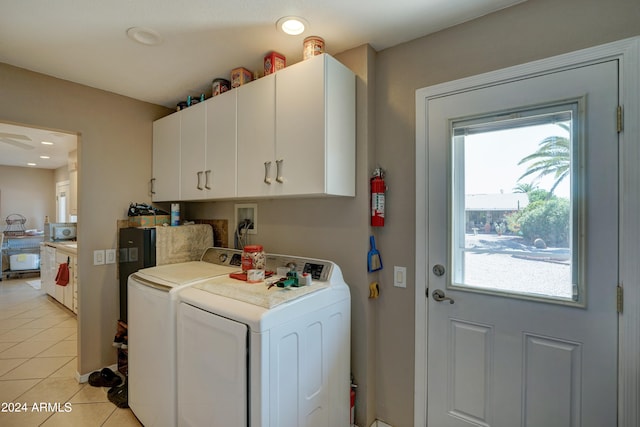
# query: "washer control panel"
[[319, 269]]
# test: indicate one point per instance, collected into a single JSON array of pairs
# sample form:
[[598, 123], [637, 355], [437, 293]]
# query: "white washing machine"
[[249, 355], [152, 331]]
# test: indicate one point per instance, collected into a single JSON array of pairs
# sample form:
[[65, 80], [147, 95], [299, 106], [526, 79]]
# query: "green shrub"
[[546, 219]]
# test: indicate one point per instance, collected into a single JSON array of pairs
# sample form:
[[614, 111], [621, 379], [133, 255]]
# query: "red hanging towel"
[[62, 278]]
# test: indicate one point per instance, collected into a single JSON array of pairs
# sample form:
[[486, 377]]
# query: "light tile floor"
[[38, 353]]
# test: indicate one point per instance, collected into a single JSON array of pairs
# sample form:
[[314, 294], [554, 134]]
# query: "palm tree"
[[524, 187], [553, 157]]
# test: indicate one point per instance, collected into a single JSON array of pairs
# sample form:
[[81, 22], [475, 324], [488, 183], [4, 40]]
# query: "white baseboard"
[[378, 423], [84, 378]]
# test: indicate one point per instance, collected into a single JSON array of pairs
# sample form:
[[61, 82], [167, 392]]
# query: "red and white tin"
[[313, 46], [273, 62]]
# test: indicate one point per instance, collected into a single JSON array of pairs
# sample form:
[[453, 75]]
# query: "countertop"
[[66, 246]]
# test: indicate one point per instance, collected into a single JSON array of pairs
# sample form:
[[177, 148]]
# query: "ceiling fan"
[[11, 139]]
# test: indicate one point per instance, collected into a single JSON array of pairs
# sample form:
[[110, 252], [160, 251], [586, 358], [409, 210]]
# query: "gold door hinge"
[[619, 298], [619, 119]]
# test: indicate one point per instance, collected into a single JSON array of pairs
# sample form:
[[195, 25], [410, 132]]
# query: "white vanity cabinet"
[[312, 151], [165, 181], [208, 149]]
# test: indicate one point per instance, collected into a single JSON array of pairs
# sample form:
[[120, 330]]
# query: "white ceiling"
[[86, 42]]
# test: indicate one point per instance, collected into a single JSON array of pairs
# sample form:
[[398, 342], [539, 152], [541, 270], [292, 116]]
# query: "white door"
[[212, 365], [522, 321]]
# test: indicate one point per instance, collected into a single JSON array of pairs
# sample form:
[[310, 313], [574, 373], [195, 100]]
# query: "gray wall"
[[114, 166], [330, 228], [532, 30], [29, 192]]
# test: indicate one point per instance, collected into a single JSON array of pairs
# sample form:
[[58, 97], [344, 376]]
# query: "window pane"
[[513, 216]]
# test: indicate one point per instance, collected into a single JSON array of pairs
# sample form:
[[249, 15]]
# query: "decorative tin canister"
[[240, 76], [273, 62], [219, 86], [313, 45]]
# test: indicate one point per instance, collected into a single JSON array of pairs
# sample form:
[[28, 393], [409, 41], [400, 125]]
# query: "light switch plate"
[[400, 277], [98, 257], [110, 256]]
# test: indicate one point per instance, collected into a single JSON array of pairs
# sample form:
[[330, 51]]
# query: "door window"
[[515, 222]]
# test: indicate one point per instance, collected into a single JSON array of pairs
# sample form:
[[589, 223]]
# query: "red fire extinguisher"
[[378, 188]]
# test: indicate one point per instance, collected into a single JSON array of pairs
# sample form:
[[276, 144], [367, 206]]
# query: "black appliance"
[[137, 250]]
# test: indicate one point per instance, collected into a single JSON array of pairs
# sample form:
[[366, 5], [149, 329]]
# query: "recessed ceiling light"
[[46, 143], [145, 36], [31, 164], [45, 157], [292, 25]]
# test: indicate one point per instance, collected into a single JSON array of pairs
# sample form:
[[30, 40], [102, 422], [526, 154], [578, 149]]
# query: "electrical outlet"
[[400, 277], [110, 256], [247, 213], [98, 257]]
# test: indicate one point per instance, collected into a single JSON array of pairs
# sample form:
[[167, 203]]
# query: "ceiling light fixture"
[[145, 36], [45, 157], [31, 164], [46, 143], [292, 25]]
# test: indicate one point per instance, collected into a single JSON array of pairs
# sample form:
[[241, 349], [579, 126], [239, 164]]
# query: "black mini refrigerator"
[[137, 250]]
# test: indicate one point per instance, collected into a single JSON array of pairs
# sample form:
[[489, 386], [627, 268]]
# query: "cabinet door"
[[59, 292], [70, 288], [166, 152], [220, 171], [300, 127], [256, 136], [193, 152], [49, 270]]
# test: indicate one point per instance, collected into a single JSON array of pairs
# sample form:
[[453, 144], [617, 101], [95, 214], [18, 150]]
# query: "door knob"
[[438, 270], [439, 296]]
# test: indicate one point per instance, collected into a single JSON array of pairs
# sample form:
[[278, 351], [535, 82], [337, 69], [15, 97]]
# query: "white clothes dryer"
[[152, 331], [253, 355]]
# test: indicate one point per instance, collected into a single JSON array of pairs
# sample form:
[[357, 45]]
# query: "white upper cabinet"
[[165, 181], [291, 133], [315, 128], [256, 137], [297, 137], [208, 149], [193, 139], [220, 171]]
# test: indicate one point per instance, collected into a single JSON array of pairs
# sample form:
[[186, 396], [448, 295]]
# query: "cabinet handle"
[[207, 174], [153, 182], [199, 173], [279, 177], [267, 168]]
